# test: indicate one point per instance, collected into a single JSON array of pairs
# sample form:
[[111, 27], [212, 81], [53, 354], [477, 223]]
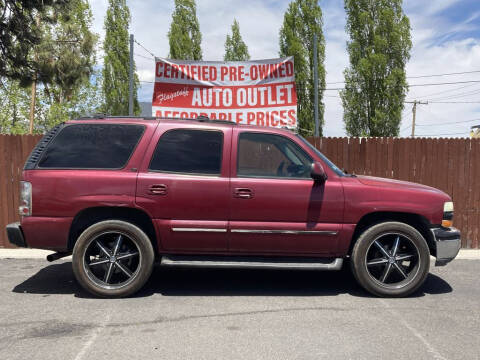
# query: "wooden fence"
[[14, 150], [452, 165]]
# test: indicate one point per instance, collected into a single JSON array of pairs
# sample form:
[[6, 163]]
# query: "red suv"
[[120, 193]]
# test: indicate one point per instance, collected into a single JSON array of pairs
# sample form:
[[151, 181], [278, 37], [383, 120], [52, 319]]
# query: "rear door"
[[184, 185]]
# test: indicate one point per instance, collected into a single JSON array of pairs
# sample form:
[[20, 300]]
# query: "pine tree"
[[235, 47], [86, 99], [184, 36], [301, 21], [117, 60], [61, 64], [66, 55], [375, 82], [20, 32]]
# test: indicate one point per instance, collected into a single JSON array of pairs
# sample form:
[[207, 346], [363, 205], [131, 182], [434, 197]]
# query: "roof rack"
[[201, 118], [105, 116]]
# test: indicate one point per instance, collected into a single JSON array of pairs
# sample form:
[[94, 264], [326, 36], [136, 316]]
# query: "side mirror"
[[317, 173]]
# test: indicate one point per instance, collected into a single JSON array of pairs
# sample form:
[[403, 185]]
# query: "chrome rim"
[[392, 260], [112, 260]]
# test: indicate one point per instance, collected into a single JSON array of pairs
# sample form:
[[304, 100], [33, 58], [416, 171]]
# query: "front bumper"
[[447, 244], [15, 235]]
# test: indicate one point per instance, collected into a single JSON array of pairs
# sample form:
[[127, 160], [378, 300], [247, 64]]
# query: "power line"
[[449, 122], [421, 76], [445, 123], [446, 91], [454, 102], [335, 82], [445, 83], [427, 84], [144, 48], [436, 135], [456, 96], [446, 74], [142, 56]]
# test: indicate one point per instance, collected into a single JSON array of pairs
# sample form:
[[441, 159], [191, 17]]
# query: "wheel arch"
[[419, 222], [92, 215]]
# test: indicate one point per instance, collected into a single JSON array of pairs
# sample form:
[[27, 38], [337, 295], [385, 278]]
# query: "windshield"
[[330, 164]]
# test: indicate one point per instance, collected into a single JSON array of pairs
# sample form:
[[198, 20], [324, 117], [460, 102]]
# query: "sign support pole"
[[130, 79], [315, 83]]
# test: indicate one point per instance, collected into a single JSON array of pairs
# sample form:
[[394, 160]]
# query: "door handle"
[[243, 193], [158, 189]]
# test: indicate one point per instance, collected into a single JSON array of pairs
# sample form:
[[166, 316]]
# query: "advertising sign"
[[260, 92]]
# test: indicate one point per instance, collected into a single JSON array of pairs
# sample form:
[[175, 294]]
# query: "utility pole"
[[414, 112], [315, 83], [32, 105], [33, 99], [130, 79]]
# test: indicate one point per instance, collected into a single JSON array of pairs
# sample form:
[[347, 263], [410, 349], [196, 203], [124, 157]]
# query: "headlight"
[[25, 208], [447, 214]]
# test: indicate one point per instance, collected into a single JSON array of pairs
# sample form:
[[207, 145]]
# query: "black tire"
[[112, 259], [388, 272]]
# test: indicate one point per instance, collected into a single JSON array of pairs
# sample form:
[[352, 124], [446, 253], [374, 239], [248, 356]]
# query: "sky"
[[445, 36]]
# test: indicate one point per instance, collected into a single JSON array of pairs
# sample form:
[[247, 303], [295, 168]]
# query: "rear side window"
[[189, 151], [92, 146]]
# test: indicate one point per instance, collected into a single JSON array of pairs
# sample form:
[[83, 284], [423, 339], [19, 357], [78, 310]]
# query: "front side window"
[[189, 151], [271, 156], [92, 146]]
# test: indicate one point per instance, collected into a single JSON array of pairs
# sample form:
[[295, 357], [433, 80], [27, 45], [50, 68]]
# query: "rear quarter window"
[[92, 146]]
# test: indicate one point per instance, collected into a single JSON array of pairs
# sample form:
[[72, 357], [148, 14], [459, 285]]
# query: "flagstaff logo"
[[161, 97]]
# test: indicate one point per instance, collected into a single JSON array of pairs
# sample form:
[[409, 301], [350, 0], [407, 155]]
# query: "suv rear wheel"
[[112, 258], [390, 259]]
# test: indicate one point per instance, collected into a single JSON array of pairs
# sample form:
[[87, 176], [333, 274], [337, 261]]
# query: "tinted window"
[[189, 151], [268, 155], [330, 164], [92, 146]]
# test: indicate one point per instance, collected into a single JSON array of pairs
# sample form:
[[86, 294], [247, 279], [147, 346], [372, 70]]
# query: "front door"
[[276, 207], [185, 187]]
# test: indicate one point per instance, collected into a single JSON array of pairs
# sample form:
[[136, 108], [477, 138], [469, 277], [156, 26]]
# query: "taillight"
[[25, 208]]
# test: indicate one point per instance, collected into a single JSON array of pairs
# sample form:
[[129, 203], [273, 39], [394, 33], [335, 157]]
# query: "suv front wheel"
[[112, 258], [390, 259]]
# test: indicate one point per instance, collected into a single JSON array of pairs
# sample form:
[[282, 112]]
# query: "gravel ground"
[[237, 314]]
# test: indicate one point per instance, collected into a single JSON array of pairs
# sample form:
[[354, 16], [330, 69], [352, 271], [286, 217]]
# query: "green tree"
[[14, 107], [62, 64], [184, 36], [65, 57], [375, 82], [86, 99], [20, 31], [235, 47], [117, 60], [301, 21]]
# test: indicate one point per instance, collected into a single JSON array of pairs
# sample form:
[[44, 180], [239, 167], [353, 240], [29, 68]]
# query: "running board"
[[253, 262]]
